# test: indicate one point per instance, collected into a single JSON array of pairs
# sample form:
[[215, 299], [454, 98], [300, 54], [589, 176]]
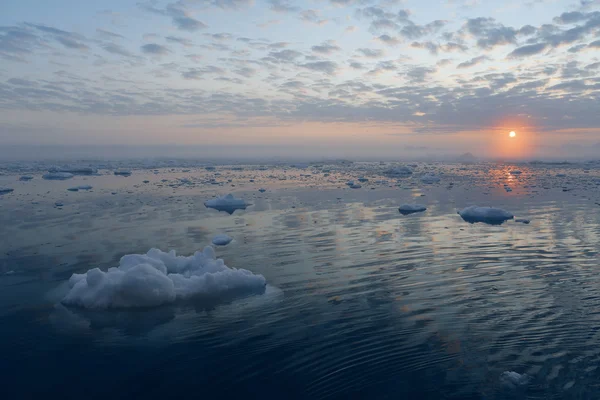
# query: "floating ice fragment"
[[57, 176], [4, 190], [262, 190], [75, 170], [122, 172], [522, 220], [513, 380], [26, 178], [488, 215], [430, 179], [406, 209], [222, 240], [157, 278], [398, 172], [227, 203], [516, 172], [78, 188]]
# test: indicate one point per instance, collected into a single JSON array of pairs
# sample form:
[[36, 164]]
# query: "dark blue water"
[[362, 301]]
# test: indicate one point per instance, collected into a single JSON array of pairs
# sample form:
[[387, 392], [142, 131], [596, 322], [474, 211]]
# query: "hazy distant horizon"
[[236, 153]]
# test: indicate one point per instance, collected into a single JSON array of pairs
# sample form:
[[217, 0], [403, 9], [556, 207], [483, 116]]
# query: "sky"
[[316, 77]]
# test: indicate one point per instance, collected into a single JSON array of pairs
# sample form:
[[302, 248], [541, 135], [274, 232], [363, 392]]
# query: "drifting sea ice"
[[4, 190], [157, 278], [26, 178], [78, 188], [227, 203], [430, 179], [488, 215], [398, 172], [122, 172], [406, 209], [57, 176], [222, 240], [513, 380]]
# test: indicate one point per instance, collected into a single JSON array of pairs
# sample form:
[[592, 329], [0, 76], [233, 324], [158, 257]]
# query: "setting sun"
[[512, 134]]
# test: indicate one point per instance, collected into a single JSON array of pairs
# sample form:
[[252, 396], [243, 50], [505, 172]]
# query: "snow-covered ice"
[[513, 380], [78, 188], [57, 176], [222, 240], [227, 203], [488, 215], [398, 172], [430, 179], [406, 209], [157, 278]]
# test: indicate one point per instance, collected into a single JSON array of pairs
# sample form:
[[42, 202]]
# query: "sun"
[[512, 134]]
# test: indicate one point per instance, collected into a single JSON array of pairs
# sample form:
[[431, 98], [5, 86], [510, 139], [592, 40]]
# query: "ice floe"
[[488, 215], [430, 179], [157, 278], [227, 203], [57, 176], [221, 240], [513, 380], [406, 209]]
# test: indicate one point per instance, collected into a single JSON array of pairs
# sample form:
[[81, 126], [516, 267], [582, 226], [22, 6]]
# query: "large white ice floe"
[[227, 203], [4, 190], [222, 240], [406, 209], [75, 170], [513, 380], [430, 179], [157, 278], [398, 172], [57, 176], [488, 215]]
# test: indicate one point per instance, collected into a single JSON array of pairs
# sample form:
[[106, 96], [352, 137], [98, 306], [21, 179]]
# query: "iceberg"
[[157, 278], [488, 215], [398, 172], [227, 203], [406, 209], [57, 176], [222, 240], [430, 179]]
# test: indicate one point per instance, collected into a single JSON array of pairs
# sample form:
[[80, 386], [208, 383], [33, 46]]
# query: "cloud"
[[490, 33], [198, 73], [155, 49], [108, 35], [67, 39], [595, 44], [472, 62], [312, 16], [389, 40], [326, 48], [116, 49], [371, 53], [328, 67], [282, 6], [528, 50], [179, 40], [180, 16], [285, 55]]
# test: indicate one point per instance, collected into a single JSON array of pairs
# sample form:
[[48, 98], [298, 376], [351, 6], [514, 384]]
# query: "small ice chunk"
[[58, 204], [513, 380], [398, 172], [122, 172], [57, 176], [488, 215], [75, 170], [262, 190], [522, 220], [78, 188], [430, 179], [355, 186], [26, 178], [515, 172], [222, 240], [157, 278], [406, 209], [362, 179], [4, 190], [227, 203]]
